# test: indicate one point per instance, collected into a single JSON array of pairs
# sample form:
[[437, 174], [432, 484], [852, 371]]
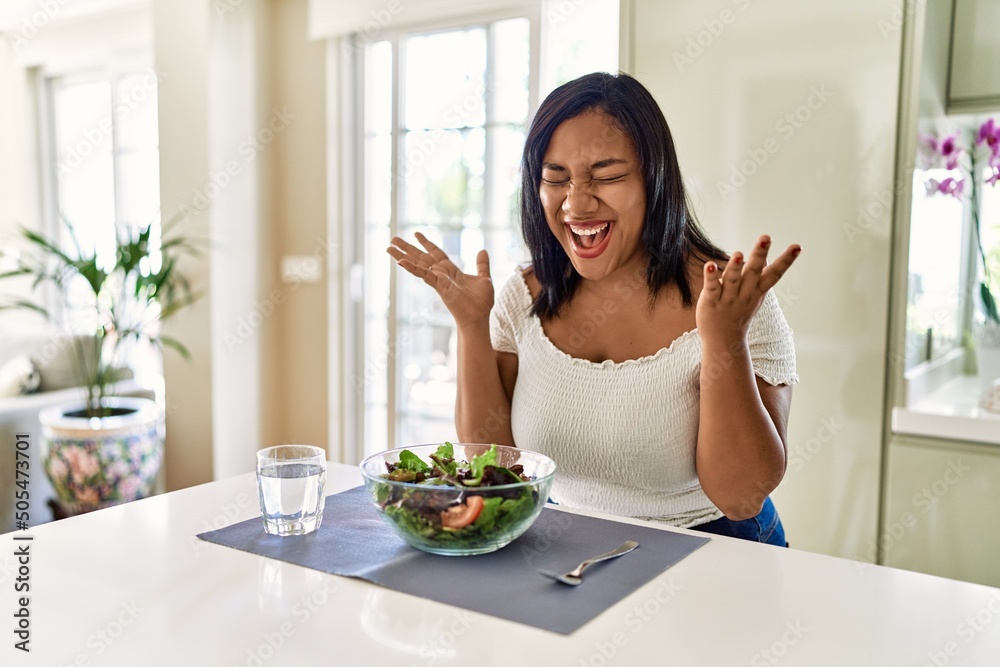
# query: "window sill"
[[951, 412]]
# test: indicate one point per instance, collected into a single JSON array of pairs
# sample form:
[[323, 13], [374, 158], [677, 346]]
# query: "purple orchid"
[[927, 142], [994, 175], [931, 187], [932, 151], [949, 186], [989, 134], [952, 186], [927, 150], [950, 150]]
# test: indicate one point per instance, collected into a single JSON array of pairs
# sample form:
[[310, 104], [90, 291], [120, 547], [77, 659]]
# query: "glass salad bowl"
[[458, 499]]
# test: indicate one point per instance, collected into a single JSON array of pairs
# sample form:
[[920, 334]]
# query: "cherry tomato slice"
[[461, 516]]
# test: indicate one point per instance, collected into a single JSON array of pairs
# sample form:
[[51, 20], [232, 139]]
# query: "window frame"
[[925, 377], [112, 68], [356, 345]]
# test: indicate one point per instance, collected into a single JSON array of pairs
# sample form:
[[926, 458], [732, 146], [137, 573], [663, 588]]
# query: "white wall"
[[181, 53], [239, 197], [297, 72], [726, 100], [19, 204], [249, 130]]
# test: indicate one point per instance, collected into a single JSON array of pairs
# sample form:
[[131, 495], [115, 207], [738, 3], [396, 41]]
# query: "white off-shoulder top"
[[623, 435]]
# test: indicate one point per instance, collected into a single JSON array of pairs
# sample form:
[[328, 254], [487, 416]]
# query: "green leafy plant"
[[122, 302]]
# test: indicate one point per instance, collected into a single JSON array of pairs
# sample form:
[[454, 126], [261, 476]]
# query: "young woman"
[[651, 367]]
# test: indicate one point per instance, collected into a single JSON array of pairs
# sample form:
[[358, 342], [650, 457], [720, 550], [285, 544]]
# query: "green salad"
[[429, 509]]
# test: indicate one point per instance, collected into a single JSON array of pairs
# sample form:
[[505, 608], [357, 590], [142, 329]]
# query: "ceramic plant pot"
[[96, 463]]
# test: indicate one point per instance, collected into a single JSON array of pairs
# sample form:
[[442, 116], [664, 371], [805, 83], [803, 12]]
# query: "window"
[[444, 116], [937, 238], [104, 162], [944, 263]]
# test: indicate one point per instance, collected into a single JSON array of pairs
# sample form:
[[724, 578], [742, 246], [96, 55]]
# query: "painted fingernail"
[[737, 258], [795, 253], [711, 268], [765, 244]]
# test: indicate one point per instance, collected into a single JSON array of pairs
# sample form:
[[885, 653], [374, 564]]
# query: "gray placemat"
[[353, 541]]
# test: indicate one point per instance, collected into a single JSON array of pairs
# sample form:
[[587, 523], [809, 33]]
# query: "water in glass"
[[291, 496]]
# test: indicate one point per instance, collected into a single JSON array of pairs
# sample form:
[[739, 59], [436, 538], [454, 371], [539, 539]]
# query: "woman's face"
[[593, 194]]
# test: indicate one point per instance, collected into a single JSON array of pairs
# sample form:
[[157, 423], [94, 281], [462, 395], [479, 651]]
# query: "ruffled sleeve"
[[772, 351], [504, 316]]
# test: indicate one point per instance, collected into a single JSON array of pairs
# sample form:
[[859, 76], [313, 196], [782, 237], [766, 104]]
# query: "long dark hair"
[[670, 233]]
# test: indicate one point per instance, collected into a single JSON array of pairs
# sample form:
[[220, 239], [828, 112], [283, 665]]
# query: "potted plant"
[[105, 449], [981, 168], [986, 168]]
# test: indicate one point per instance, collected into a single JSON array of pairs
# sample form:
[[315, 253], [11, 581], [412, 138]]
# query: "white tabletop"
[[133, 586]]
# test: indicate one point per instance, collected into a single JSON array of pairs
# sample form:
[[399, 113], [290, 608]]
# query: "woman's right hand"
[[469, 298]]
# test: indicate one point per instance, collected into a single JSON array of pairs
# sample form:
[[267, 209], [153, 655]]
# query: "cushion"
[[54, 357], [19, 376]]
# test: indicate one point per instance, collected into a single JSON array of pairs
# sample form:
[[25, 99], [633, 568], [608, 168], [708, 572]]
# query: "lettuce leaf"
[[478, 464], [445, 451], [488, 516], [444, 458], [410, 461]]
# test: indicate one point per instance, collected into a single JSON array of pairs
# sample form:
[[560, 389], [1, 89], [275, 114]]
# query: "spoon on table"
[[575, 576]]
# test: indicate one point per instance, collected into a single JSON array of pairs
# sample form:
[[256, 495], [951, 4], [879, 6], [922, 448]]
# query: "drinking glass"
[[290, 480]]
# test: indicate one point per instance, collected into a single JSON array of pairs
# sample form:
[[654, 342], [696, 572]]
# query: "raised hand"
[[469, 298], [729, 298]]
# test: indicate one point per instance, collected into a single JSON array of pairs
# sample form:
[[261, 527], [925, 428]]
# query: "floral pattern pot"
[[96, 463]]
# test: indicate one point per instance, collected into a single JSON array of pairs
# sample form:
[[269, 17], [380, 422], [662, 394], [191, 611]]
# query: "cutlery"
[[575, 576]]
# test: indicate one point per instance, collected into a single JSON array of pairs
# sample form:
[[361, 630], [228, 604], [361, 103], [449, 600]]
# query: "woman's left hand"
[[729, 298]]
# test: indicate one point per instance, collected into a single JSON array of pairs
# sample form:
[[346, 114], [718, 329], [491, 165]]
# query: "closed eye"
[[603, 179]]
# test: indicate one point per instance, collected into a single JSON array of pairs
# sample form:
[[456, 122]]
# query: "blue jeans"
[[765, 527]]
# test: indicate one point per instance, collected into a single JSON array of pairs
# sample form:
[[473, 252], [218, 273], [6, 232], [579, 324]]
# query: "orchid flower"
[[994, 176], [950, 150], [989, 134], [952, 186], [927, 151]]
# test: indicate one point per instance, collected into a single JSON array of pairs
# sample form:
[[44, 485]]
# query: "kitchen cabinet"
[[975, 55], [941, 509]]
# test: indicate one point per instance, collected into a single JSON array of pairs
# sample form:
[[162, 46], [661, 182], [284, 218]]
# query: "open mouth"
[[590, 240]]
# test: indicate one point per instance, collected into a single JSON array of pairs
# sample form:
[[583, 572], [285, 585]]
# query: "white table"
[[133, 586]]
